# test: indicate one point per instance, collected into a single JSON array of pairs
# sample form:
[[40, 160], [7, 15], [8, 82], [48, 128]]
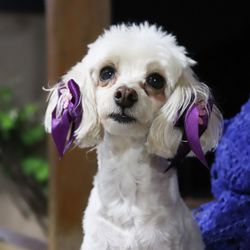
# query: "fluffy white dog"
[[135, 82]]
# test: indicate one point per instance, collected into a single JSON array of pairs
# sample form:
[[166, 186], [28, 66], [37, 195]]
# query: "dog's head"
[[136, 81]]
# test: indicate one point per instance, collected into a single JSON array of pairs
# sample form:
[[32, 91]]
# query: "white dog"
[[135, 82]]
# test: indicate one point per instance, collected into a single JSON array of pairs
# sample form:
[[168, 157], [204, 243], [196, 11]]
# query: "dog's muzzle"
[[124, 98]]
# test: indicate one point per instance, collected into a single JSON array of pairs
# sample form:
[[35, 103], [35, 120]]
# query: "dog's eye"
[[107, 73], [155, 80]]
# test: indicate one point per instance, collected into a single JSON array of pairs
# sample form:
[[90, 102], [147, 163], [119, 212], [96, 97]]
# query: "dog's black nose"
[[125, 97]]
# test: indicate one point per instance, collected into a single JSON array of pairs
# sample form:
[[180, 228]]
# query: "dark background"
[[216, 35], [22, 5]]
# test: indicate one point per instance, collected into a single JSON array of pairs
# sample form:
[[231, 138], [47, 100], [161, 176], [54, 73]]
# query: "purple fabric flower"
[[67, 115]]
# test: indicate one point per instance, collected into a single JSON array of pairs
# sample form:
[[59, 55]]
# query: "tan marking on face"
[[108, 83], [157, 94]]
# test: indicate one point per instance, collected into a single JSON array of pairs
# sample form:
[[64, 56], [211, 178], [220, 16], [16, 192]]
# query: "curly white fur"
[[133, 204]]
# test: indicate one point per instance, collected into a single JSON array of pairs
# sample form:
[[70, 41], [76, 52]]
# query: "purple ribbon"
[[194, 122], [193, 130], [67, 115]]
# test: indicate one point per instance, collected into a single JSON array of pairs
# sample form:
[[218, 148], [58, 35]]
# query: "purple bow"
[[67, 115], [194, 121]]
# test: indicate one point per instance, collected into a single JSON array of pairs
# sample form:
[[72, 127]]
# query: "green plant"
[[22, 140]]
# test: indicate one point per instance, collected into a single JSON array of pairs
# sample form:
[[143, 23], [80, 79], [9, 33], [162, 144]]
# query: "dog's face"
[[133, 71], [131, 88], [136, 81]]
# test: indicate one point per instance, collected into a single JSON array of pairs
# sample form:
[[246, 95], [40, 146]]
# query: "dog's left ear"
[[164, 136], [84, 124]]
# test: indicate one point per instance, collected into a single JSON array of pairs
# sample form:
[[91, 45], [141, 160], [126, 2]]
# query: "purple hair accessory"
[[67, 115], [194, 122]]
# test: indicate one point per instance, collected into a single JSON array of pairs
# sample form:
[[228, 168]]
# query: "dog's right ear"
[[88, 131], [165, 137]]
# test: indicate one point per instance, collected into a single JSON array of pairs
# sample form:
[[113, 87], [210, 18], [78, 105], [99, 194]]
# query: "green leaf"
[[42, 172], [35, 167], [28, 112], [29, 165], [7, 121], [33, 135]]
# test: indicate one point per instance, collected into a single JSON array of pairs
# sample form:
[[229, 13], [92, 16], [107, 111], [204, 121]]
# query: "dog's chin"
[[124, 125]]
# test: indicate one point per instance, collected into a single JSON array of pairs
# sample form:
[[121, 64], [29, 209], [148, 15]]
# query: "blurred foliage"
[[35, 167], [22, 139]]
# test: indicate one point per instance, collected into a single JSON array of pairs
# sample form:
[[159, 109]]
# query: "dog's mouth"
[[122, 118]]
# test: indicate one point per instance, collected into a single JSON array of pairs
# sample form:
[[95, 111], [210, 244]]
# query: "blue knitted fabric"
[[225, 222]]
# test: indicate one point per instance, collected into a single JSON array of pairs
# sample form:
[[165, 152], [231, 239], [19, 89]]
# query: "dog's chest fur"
[[133, 204]]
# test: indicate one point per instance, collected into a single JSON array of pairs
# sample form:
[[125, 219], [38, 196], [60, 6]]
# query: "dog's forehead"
[[133, 42], [127, 49], [137, 34]]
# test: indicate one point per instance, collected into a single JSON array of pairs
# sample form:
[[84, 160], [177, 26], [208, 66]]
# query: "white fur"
[[133, 204]]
